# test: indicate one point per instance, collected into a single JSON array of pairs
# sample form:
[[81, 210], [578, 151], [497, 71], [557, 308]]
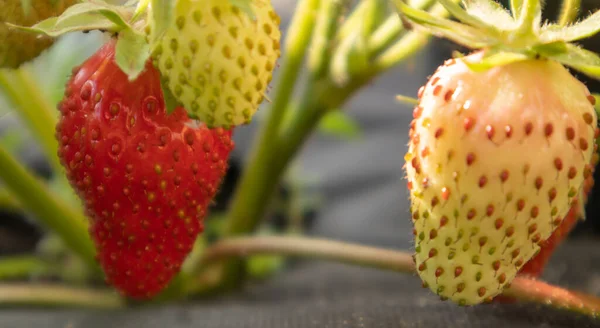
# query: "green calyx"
[[510, 36], [125, 21]]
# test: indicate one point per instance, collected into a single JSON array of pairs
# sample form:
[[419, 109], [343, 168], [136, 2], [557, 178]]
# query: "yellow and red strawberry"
[[18, 47], [217, 60], [495, 161], [501, 148], [146, 177]]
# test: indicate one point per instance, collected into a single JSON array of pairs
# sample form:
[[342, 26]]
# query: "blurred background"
[[347, 184]]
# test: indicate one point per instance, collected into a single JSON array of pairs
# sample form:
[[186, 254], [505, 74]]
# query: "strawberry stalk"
[[48, 209], [515, 6], [8, 201], [16, 267], [258, 180], [385, 34], [531, 290], [530, 11], [523, 289], [568, 12], [410, 43], [319, 53], [276, 147], [45, 295], [29, 101], [356, 18]]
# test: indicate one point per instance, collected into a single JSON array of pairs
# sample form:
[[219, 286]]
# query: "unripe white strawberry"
[[18, 47], [495, 160], [217, 60]]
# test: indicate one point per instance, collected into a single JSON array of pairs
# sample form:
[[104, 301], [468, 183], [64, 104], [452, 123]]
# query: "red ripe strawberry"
[[146, 177]]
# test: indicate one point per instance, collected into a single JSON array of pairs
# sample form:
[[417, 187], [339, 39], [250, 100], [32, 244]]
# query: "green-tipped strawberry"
[[217, 60], [500, 146], [146, 177], [18, 47]]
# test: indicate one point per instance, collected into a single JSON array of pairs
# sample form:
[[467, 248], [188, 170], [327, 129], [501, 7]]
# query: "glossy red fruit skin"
[[146, 178]]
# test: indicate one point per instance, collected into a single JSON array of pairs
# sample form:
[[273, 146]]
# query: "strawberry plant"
[[139, 137]]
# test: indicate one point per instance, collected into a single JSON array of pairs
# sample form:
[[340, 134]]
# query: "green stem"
[[515, 8], [568, 11], [249, 198], [8, 202], [275, 152], [353, 20], [308, 115], [385, 35], [408, 45], [59, 296], [326, 26], [36, 111], [523, 289], [535, 291], [310, 247], [23, 267], [37, 199], [366, 15], [530, 10], [140, 9], [391, 29], [286, 147]]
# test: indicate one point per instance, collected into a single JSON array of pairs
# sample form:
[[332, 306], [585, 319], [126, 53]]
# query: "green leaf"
[[460, 33], [584, 29], [163, 14], [578, 58], [132, 52], [554, 48], [245, 6], [113, 13], [493, 58], [463, 16], [140, 7], [491, 12], [85, 16], [339, 124], [84, 22]]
